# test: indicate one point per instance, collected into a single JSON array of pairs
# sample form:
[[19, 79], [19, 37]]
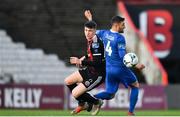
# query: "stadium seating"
[[30, 65]]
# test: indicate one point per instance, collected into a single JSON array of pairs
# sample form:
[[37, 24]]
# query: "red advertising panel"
[[160, 25], [32, 96]]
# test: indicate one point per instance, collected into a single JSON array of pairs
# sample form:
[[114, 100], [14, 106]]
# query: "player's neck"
[[93, 39], [113, 30]]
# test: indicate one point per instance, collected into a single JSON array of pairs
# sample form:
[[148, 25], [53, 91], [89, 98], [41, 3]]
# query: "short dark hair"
[[117, 19], [90, 24]]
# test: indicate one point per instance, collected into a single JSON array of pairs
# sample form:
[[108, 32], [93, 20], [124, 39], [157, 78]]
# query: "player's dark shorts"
[[91, 80]]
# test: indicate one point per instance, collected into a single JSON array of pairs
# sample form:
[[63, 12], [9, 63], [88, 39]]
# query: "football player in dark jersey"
[[91, 71]]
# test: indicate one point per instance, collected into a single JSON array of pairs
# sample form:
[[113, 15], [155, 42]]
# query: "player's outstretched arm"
[[88, 15], [140, 66]]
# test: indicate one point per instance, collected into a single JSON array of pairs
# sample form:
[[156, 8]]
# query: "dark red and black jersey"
[[95, 59]]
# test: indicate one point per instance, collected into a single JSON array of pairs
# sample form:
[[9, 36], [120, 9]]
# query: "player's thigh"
[[111, 83], [91, 79], [99, 80], [79, 90], [73, 78], [93, 82], [130, 79]]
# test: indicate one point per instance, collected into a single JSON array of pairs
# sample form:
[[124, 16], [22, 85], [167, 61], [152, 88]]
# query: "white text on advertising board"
[[22, 98]]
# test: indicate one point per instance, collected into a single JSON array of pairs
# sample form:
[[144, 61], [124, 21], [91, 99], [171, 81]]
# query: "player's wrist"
[[80, 62]]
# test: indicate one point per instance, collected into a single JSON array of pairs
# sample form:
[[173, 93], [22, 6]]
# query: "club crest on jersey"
[[95, 45], [87, 83]]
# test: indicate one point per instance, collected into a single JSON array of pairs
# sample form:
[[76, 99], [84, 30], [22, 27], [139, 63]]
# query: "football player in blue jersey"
[[116, 71]]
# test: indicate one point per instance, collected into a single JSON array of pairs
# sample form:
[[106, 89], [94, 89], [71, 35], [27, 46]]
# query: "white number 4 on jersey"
[[108, 48]]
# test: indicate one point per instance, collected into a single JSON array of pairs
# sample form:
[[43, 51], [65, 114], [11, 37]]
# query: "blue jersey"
[[116, 71], [114, 44]]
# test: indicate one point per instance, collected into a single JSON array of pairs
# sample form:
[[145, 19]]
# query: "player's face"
[[121, 27], [89, 33]]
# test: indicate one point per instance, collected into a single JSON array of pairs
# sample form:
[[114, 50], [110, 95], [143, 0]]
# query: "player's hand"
[[140, 66], [88, 15], [75, 60]]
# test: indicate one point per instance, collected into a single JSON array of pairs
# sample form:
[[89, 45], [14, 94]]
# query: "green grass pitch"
[[16, 112]]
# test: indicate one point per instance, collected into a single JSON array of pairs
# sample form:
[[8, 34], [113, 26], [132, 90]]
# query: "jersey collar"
[[95, 38], [113, 31]]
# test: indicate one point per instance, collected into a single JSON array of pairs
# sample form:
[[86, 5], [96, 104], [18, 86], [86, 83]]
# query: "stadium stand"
[[30, 65], [53, 25]]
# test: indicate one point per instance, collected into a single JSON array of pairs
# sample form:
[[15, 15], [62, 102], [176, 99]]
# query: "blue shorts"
[[117, 75]]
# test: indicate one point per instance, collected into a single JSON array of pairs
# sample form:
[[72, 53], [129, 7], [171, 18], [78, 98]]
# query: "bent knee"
[[75, 93], [67, 81], [110, 96], [136, 84]]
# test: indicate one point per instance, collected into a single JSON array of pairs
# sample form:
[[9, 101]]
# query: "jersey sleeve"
[[121, 46], [100, 33]]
